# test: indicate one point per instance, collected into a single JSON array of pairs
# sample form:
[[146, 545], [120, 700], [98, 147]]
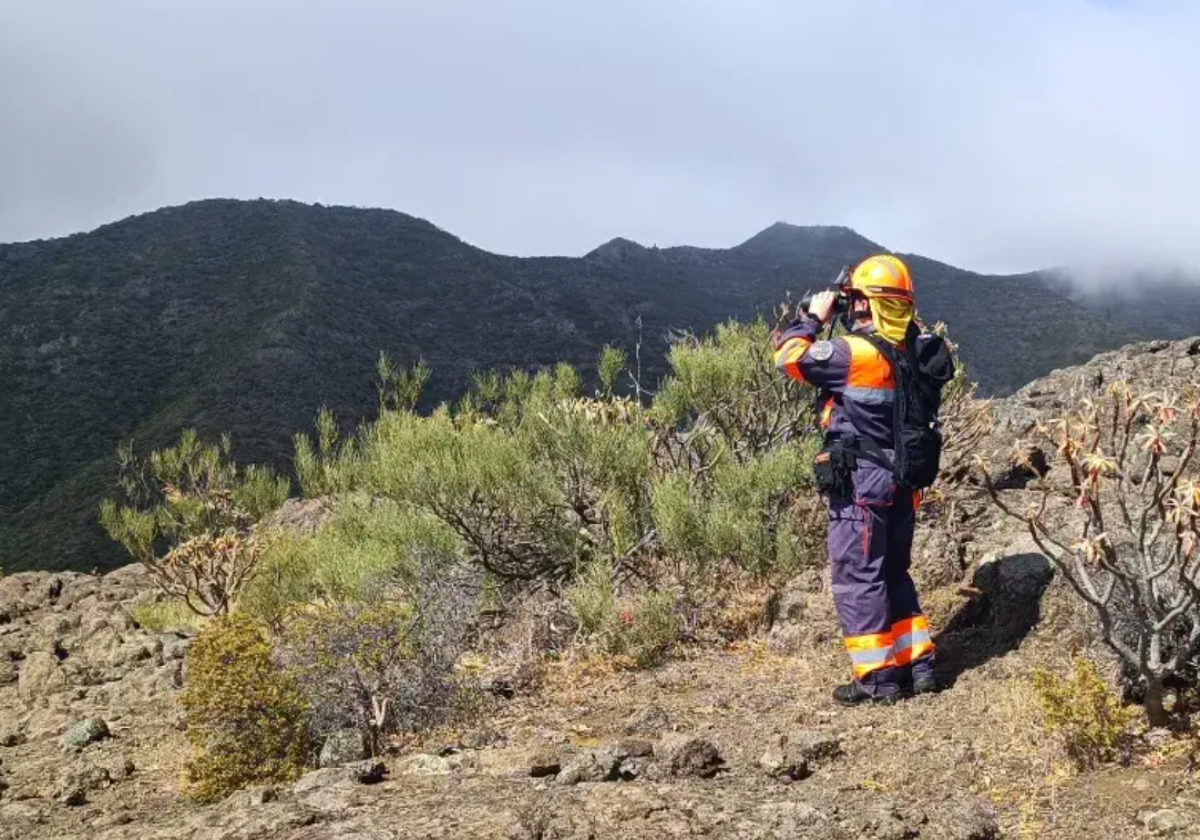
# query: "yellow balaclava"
[[892, 317]]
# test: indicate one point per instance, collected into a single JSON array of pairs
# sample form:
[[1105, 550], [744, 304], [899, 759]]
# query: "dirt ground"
[[970, 762]]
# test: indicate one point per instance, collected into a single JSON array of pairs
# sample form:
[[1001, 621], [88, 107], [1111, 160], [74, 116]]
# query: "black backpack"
[[920, 370]]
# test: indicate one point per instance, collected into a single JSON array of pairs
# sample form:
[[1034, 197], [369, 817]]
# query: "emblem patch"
[[822, 351]]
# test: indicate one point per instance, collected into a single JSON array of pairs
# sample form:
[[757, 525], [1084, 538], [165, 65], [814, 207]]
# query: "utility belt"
[[834, 466]]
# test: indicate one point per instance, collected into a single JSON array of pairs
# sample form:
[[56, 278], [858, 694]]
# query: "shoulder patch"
[[822, 351]]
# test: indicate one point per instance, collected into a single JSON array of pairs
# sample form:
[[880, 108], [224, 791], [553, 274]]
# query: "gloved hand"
[[822, 305]]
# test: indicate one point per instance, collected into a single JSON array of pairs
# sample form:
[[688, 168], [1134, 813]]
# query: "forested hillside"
[[247, 317]]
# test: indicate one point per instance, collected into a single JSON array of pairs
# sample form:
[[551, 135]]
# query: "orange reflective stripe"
[[869, 642], [827, 413], [870, 653], [869, 370], [912, 639], [788, 355]]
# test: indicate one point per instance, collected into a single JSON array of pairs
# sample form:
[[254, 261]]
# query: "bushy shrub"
[[367, 546], [1091, 720], [723, 395], [384, 666], [532, 482], [245, 719], [537, 481], [316, 464], [192, 519], [745, 514], [478, 480]]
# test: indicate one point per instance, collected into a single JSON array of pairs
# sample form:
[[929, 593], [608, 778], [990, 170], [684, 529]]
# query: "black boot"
[[924, 684], [851, 694]]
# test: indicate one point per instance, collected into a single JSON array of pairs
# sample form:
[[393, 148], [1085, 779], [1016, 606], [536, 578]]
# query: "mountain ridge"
[[248, 316]]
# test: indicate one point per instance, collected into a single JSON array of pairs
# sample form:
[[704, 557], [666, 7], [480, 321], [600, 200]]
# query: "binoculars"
[[841, 303]]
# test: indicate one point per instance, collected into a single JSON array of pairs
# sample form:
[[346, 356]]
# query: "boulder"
[[40, 676], [360, 772], [649, 722], [343, 747], [86, 732], [688, 755], [599, 765], [1165, 822]]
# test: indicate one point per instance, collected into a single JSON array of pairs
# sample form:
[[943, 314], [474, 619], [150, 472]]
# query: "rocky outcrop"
[[79, 681]]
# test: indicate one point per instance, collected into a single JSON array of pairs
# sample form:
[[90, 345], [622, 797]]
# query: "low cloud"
[[1000, 136]]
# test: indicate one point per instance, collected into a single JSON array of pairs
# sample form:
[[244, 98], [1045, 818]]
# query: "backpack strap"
[[905, 363]]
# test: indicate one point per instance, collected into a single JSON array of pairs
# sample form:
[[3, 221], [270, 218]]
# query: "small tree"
[[1124, 527], [192, 519]]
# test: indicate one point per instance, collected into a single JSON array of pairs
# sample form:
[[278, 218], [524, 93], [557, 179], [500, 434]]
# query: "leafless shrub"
[[1124, 527]]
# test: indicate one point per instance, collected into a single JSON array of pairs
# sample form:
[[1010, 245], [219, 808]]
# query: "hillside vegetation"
[[538, 613], [248, 317]]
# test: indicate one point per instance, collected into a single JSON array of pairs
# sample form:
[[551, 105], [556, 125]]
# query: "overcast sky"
[[999, 136]]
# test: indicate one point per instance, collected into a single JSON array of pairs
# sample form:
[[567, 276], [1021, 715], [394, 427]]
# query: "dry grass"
[[741, 614], [163, 616], [986, 736]]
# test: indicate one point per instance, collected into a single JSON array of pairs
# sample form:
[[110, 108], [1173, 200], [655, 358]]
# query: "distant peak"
[[617, 249], [783, 235]]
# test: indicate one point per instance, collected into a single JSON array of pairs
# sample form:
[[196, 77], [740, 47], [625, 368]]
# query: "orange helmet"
[[882, 276]]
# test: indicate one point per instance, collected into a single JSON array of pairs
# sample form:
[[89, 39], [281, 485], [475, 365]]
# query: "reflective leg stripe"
[[870, 653], [912, 639]]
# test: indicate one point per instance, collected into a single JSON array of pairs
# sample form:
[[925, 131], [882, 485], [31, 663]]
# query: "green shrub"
[[478, 479], [648, 628], [537, 482], [366, 547], [642, 627], [1090, 718], [725, 391], [400, 387], [316, 466], [245, 719], [740, 513]]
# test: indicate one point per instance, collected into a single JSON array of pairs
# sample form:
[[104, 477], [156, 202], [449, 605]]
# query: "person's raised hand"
[[822, 305]]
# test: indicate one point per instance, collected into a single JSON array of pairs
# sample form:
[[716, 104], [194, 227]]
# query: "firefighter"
[[871, 519]]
